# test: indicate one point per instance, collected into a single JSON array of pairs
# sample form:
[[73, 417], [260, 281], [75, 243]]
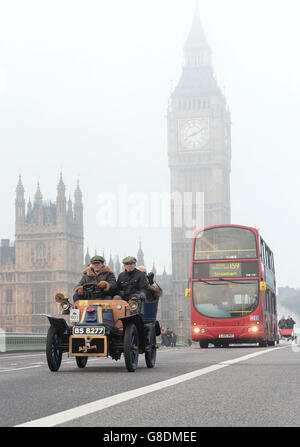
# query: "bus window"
[[268, 258], [272, 261], [262, 251], [225, 243]]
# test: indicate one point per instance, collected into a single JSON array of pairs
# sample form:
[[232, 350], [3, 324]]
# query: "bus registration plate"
[[226, 335]]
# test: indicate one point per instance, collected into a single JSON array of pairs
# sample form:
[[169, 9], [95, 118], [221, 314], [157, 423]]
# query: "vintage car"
[[103, 328], [287, 334]]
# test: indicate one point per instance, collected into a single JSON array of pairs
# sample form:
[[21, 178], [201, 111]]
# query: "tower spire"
[[78, 194], [20, 187], [153, 268], [29, 206], [20, 204], [87, 257], [196, 35], [117, 266], [70, 211], [197, 51], [61, 202], [61, 189], [78, 209], [38, 206], [111, 262], [38, 198], [140, 255]]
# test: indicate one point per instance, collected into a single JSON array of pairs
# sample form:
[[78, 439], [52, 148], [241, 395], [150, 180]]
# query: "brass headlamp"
[[63, 301], [134, 305]]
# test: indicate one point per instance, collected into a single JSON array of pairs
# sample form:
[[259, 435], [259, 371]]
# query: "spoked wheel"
[[53, 353], [81, 361], [150, 355], [131, 347]]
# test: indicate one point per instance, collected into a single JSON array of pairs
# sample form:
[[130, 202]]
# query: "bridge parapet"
[[21, 341]]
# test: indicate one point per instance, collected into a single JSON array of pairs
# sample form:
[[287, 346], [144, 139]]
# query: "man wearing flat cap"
[[131, 282], [99, 274]]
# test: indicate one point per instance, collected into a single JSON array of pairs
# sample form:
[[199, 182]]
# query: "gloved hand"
[[150, 277], [102, 285]]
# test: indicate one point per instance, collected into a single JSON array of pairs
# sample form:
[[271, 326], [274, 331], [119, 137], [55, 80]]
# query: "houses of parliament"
[[46, 257], [48, 252]]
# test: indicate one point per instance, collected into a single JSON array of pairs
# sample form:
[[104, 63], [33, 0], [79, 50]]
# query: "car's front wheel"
[[53, 353]]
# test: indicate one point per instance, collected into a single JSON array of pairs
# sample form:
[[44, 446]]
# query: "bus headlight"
[[196, 330], [253, 329]]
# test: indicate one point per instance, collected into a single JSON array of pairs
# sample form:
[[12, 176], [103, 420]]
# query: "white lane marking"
[[101, 404], [248, 356], [21, 356], [18, 369]]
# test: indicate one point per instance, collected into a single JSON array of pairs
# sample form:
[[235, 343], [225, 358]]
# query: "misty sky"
[[84, 89]]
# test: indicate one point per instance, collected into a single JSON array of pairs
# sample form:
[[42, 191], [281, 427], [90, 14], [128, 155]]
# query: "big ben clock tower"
[[199, 152]]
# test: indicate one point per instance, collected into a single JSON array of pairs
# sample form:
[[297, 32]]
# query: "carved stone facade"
[[45, 258], [199, 151]]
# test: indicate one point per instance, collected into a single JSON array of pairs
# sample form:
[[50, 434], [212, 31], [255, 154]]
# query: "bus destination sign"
[[218, 270], [225, 269]]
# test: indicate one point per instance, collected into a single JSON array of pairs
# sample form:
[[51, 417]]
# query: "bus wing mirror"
[[187, 293], [263, 286]]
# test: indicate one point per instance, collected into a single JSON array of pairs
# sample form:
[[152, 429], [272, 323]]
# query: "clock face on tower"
[[193, 134]]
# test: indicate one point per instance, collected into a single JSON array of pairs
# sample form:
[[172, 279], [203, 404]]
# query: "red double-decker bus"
[[233, 287]]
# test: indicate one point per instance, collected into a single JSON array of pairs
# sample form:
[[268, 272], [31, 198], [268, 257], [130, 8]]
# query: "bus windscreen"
[[225, 243], [225, 299]]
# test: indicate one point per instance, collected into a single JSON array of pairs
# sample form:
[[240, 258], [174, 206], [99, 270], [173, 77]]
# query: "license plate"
[[88, 330], [226, 335]]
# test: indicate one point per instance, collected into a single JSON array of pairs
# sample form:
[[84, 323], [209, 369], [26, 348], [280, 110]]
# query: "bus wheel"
[[262, 343], [203, 344], [271, 343]]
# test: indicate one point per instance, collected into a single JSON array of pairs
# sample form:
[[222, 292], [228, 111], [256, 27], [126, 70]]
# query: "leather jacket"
[[131, 282]]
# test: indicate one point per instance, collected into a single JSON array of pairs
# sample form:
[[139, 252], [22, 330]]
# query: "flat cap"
[[129, 260], [97, 259]]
